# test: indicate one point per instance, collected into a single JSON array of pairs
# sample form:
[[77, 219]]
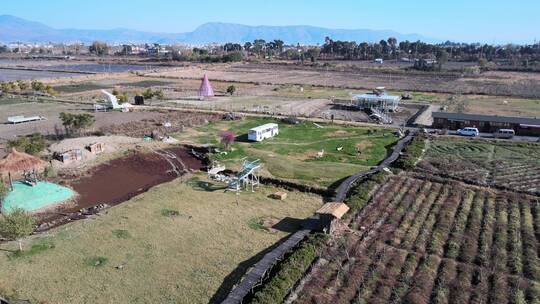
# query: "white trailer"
[[23, 119], [263, 132]]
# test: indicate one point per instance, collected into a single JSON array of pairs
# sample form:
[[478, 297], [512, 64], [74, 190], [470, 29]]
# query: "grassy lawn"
[[145, 83], [9, 101], [80, 87], [174, 244], [293, 153]]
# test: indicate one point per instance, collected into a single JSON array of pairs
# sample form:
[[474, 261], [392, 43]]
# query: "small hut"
[[17, 165], [205, 89], [330, 214], [96, 148], [69, 156]]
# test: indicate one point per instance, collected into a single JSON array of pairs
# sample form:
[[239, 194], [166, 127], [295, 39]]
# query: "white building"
[[263, 132], [378, 99]]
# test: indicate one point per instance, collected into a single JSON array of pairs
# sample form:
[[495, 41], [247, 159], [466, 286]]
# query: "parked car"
[[376, 117], [468, 132], [291, 120], [504, 133]]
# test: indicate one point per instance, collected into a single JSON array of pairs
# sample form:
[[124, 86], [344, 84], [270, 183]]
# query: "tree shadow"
[[206, 186], [236, 275], [289, 225]]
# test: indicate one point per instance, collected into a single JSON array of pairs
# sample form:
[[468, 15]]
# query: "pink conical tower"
[[206, 88]]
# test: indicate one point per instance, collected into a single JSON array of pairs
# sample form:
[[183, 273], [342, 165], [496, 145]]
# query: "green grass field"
[[176, 243], [292, 154], [80, 87], [145, 83]]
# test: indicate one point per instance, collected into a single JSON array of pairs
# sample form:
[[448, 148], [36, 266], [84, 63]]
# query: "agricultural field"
[[501, 163], [186, 241], [421, 241], [295, 154], [491, 83]]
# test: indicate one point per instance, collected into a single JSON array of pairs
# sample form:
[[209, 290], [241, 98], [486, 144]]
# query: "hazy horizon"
[[463, 21]]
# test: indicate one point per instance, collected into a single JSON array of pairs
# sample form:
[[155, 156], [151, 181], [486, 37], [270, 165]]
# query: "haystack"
[[16, 163]]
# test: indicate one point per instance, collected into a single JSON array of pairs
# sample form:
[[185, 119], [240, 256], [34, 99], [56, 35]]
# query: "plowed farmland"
[[512, 165], [421, 241]]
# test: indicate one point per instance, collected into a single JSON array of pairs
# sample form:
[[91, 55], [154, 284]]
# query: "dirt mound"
[[126, 177]]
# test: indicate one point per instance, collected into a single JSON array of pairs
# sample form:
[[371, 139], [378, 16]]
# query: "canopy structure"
[[16, 163], [206, 88], [334, 209]]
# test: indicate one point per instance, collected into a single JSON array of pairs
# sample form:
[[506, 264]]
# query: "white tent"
[[112, 103]]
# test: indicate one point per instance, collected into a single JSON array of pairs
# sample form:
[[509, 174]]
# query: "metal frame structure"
[[247, 176], [378, 100]]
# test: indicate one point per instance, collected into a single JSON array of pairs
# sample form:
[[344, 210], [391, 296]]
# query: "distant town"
[[381, 170]]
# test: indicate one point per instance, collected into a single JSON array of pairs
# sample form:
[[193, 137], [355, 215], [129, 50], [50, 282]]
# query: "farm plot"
[[317, 155], [427, 242], [181, 242], [513, 165], [502, 83]]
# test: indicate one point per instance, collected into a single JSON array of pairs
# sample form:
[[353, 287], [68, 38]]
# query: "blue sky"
[[459, 20]]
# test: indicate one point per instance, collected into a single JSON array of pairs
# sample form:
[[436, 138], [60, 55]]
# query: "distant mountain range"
[[14, 29]]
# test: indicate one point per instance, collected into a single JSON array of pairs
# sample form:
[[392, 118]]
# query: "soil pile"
[[126, 177]]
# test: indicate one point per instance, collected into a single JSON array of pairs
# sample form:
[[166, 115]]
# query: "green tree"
[[259, 46], [393, 45], [37, 86], [3, 191], [16, 225], [442, 58], [231, 89], [99, 48], [32, 144], [23, 85], [4, 87], [232, 57], [76, 122], [247, 46], [50, 90], [148, 94], [313, 53], [159, 94], [122, 98]]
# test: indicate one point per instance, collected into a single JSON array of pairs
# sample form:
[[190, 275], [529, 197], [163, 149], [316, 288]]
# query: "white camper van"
[[504, 133], [263, 132]]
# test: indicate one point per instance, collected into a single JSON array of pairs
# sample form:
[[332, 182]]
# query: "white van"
[[468, 132], [263, 132], [504, 133]]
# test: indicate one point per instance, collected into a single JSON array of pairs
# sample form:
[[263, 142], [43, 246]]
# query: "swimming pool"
[[32, 198]]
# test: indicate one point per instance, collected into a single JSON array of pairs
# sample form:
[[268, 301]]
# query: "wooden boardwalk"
[[256, 274], [346, 185]]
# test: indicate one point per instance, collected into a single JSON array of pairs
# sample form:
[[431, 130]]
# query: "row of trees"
[[351, 50], [20, 86], [391, 49], [386, 49]]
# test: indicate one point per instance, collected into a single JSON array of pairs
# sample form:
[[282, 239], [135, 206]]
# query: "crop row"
[[426, 242], [512, 165]]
